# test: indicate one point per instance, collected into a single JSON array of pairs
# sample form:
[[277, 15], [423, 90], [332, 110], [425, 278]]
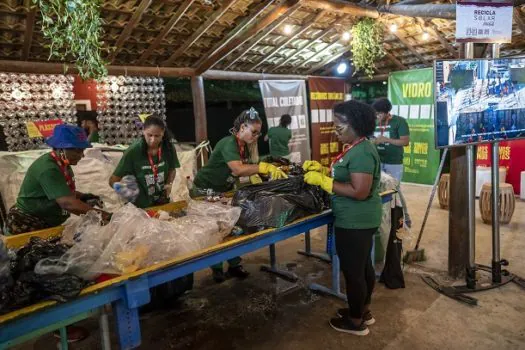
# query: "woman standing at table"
[[234, 156], [152, 160], [354, 182]]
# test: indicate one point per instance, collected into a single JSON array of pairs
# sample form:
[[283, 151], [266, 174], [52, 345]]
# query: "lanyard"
[[241, 147], [383, 127], [63, 168], [155, 167], [342, 154]]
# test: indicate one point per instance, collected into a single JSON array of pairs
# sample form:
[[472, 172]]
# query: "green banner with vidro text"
[[412, 96]]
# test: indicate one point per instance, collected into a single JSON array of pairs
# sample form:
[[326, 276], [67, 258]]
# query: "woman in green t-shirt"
[[152, 160], [279, 136], [354, 182], [48, 193], [234, 156]]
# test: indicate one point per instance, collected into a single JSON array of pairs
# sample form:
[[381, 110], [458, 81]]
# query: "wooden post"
[[199, 109], [458, 227]]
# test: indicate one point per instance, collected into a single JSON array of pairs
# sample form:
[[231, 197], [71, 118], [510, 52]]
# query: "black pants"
[[354, 248]]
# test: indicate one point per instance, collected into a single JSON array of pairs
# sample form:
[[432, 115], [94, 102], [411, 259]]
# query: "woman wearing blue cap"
[[48, 194]]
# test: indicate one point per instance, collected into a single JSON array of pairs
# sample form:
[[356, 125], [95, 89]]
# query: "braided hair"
[[248, 116]]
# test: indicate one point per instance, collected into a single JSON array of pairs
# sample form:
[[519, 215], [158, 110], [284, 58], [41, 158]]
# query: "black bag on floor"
[[274, 204], [392, 275]]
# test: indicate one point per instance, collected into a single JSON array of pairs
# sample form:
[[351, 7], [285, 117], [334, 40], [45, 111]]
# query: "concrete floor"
[[264, 312]]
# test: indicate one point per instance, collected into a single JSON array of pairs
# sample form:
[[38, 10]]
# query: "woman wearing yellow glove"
[[354, 182], [235, 156]]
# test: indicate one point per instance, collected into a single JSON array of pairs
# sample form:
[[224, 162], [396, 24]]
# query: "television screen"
[[479, 100]]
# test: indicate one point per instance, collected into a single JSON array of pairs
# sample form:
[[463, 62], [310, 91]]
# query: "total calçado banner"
[[325, 93], [288, 97], [412, 96]]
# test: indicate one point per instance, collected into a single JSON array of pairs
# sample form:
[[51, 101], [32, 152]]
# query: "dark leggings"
[[354, 248]]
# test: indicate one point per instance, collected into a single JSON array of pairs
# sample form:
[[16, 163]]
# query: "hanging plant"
[[74, 28], [367, 38]]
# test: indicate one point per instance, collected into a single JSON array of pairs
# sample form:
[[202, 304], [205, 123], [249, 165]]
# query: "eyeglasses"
[[254, 132]]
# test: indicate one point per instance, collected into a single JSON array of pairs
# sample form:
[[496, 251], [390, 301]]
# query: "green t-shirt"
[[352, 213], [396, 127], [135, 162], [42, 185], [279, 138], [216, 174], [94, 137]]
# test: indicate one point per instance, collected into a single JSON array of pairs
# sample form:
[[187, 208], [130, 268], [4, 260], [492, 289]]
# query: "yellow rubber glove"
[[255, 179], [270, 169], [313, 165], [317, 179]]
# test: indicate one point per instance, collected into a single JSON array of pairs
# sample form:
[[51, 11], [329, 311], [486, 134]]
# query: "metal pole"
[[469, 50], [471, 193], [496, 258], [495, 50]]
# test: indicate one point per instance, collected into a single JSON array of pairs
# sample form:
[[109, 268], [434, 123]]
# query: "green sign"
[[412, 96]]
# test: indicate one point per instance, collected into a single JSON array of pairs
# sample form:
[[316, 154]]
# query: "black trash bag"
[[25, 287], [6, 282], [276, 203], [392, 275], [166, 295], [37, 249], [277, 160]]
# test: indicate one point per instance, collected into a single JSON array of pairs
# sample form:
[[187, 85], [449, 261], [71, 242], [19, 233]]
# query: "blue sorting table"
[[128, 292]]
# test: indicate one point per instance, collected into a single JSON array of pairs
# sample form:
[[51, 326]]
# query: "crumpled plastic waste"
[[127, 188], [88, 239], [277, 203], [133, 240]]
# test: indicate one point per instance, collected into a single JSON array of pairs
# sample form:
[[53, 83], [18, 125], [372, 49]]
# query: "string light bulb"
[[393, 28], [342, 67], [426, 36], [288, 29], [346, 36]]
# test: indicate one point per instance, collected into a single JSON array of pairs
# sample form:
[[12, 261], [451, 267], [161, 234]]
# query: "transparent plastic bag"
[[89, 238], [140, 241]]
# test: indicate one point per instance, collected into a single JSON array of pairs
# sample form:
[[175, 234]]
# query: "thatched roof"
[[245, 35]]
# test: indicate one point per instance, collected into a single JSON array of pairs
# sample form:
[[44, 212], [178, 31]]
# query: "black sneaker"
[[342, 325], [238, 271], [218, 276], [368, 319]]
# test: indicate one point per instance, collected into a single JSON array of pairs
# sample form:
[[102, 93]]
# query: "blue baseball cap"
[[68, 136]]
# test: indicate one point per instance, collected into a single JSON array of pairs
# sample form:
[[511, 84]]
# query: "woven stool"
[[506, 204], [444, 191]]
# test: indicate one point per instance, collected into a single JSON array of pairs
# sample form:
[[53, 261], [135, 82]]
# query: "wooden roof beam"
[[304, 48], [444, 11], [128, 29], [344, 7], [432, 30], [30, 25], [257, 32], [329, 59], [234, 32], [519, 20], [394, 60], [320, 53], [62, 68], [409, 47], [175, 18], [200, 31], [309, 23]]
